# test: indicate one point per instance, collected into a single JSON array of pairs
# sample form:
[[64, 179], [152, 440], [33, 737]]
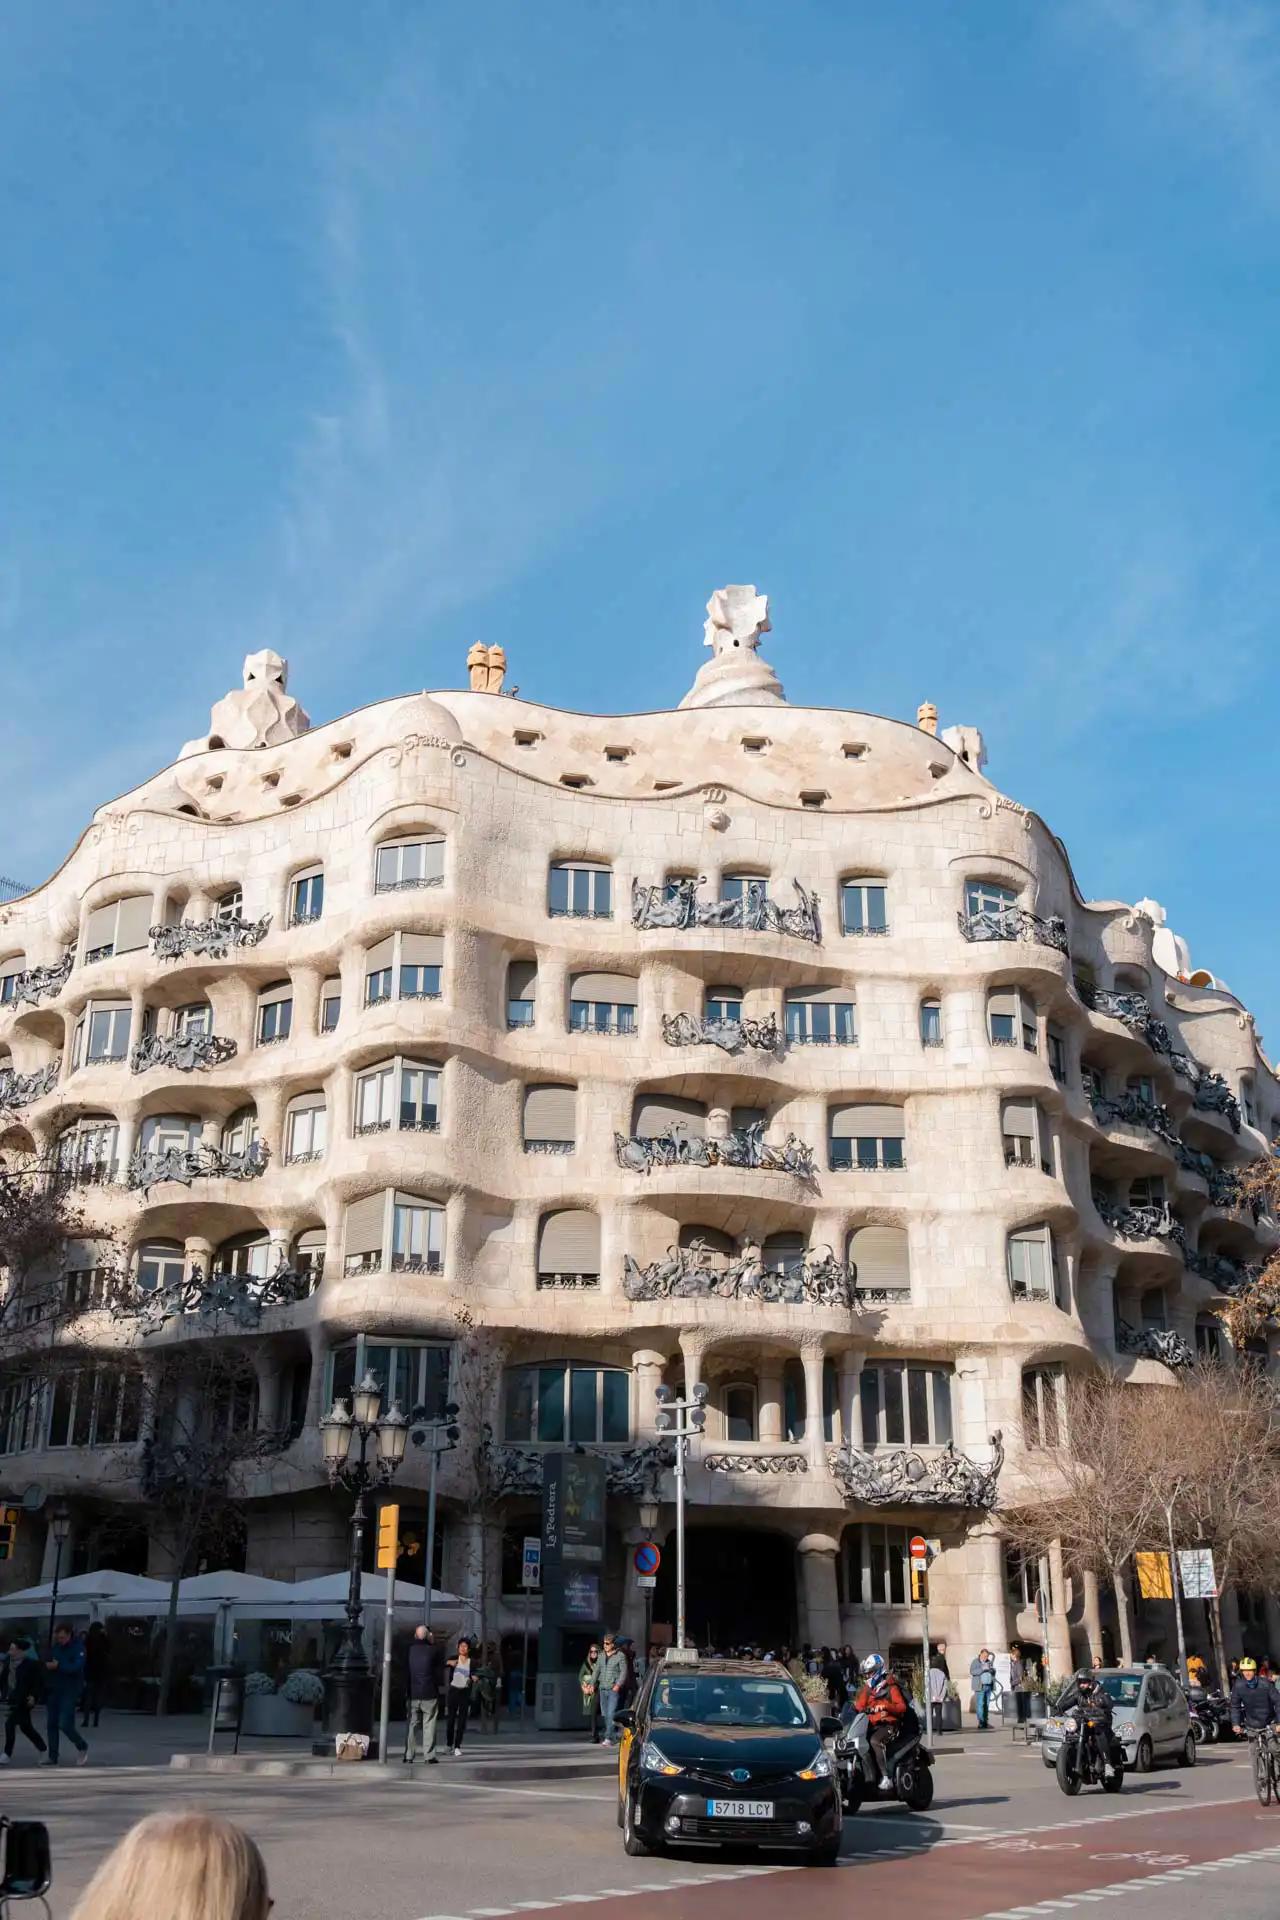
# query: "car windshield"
[[728, 1700], [1124, 1688]]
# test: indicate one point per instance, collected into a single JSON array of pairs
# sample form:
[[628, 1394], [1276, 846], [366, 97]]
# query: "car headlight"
[[819, 1768], [654, 1760]]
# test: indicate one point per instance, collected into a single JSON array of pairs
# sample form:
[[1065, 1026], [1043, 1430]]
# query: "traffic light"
[[388, 1537], [9, 1518], [919, 1585]]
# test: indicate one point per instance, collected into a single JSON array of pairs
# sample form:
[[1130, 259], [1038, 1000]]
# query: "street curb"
[[495, 1770]]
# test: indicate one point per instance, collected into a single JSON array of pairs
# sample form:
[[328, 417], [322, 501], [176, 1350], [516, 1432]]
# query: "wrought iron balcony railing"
[[1140, 1223], [567, 1282], [42, 983], [765, 1465], [214, 939], [1014, 923], [188, 1164], [1134, 1009], [20, 1089], [745, 1148], [731, 1036], [902, 1477], [223, 1295], [1154, 1343], [634, 1470], [1213, 1095], [183, 1052], [413, 885], [1133, 1109], [696, 1273], [1228, 1276], [676, 904], [549, 1146]]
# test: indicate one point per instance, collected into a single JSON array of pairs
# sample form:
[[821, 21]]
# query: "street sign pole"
[[387, 1559], [530, 1577], [682, 1418], [919, 1550]]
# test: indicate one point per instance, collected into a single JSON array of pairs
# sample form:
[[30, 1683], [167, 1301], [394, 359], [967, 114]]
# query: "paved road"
[[1000, 1840]]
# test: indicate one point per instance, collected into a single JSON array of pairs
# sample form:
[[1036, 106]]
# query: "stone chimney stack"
[[927, 717]]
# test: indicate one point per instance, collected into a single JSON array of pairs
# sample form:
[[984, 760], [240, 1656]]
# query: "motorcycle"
[[908, 1763], [1080, 1760], [1210, 1714]]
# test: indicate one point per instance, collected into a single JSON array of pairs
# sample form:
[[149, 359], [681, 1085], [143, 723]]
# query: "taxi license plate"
[[740, 1809]]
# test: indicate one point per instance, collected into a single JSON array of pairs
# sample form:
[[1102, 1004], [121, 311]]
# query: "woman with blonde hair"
[[182, 1866]]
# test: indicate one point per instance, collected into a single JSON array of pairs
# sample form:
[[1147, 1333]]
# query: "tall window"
[[161, 1264], [87, 1151], [522, 987], [987, 897], [569, 1249], [248, 1255], [123, 927], [1148, 1191], [1043, 1407], [229, 905], [240, 1132], [931, 1023], [1057, 1054], [1032, 1264], [602, 1003], [414, 1374], [863, 906], [193, 1022], [306, 1128], [877, 1565], [170, 1133], [95, 1407], [566, 1404], [724, 1005], [738, 1405], [881, 1263], [905, 1406], [417, 1236], [419, 1098], [374, 1100], [1011, 1018], [102, 1033], [275, 1014], [306, 898], [330, 1005], [403, 1093], [866, 1138], [821, 1017], [11, 971], [1028, 1141], [403, 865], [579, 890]]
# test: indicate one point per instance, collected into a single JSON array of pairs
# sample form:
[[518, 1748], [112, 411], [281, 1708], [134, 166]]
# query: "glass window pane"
[[876, 917], [82, 1426], [918, 1405], [866, 1153], [377, 1361], [583, 1396], [897, 1567], [517, 1423], [550, 1403], [617, 1405], [879, 1567], [1049, 1407], [558, 892], [64, 1390], [580, 891], [894, 1431], [941, 1407], [870, 1390], [604, 892], [892, 1153]]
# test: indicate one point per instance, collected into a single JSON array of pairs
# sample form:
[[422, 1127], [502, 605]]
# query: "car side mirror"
[[829, 1727], [28, 1864], [625, 1717]]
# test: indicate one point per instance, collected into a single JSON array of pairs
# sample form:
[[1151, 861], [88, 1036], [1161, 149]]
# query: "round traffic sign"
[[918, 1547], [647, 1558]]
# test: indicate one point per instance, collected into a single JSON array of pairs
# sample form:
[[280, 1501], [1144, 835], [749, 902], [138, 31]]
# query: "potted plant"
[[949, 1712], [288, 1714]]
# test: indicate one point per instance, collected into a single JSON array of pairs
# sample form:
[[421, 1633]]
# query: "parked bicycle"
[[1265, 1742]]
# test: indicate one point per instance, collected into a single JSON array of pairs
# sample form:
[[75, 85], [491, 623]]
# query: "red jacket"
[[882, 1702]]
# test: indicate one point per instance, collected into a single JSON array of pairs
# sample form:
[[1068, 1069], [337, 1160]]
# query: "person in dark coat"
[[97, 1664], [424, 1683], [26, 1690], [64, 1683]]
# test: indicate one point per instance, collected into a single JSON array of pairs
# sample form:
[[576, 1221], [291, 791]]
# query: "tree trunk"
[[1124, 1615], [1215, 1609], [170, 1641]]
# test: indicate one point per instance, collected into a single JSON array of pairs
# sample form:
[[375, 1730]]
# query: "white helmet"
[[873, 1665]]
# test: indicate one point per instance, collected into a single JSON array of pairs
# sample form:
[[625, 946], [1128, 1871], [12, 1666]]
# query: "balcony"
[[1133, 1009], [746, 1148], [676, 904], [412, 885], [20, 1089], [1213, 1095], [183, 1053], [1140, 1223], [731, 1036], [1133, 1109], [902, 1477], [549, 1146], [1228, 1276], [632, 1471], [185, 1165], [213, 939], [224, 1295], [567, 1282], [42, 983], [1154, 1343], [766, 1465], [695, 1273], [1014, 923]]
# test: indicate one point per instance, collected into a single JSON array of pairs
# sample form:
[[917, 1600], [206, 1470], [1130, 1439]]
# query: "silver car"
[[1152, 1719]]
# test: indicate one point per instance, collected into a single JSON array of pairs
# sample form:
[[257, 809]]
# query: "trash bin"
[[224, 1698]]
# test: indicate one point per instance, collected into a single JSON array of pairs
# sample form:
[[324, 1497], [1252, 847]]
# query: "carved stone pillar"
[[811, 1358], [851, 1365], [197, 1251], [1059, 1631], [268, 1372], [647, 1366], [982, 1611], [1092, 1613], [551, 998], [307, 982], [693, 1347], [769, 1424], [821, 1624]]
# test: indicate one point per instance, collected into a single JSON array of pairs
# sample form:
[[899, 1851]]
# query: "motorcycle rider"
[[1255, 1704], [881, 1699], [1085, 1693]]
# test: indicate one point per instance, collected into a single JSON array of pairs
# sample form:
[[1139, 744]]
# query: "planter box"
[[271, 1715]]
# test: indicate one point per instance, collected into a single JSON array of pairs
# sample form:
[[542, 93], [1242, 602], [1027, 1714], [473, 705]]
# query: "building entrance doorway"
[[740, 1587]]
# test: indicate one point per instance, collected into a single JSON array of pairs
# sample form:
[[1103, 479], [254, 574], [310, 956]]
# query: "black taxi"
[[726, 1753]]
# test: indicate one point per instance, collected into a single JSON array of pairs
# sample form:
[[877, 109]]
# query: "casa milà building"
[[765, 1046]]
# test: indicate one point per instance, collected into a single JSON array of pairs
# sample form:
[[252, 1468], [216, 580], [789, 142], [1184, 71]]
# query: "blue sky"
[[367, 332]]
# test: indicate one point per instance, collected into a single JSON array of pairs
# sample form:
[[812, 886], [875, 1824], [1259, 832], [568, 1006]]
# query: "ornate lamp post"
[[648, 1520], [683, 1418], [59, 1533], [440, 1436], [348, 1682]]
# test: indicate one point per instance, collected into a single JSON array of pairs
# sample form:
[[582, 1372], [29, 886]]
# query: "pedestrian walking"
[[611, 1679], [184, 1866], [937, 1684], [459, 1680], [25, 1690], [982, 1672], [64, 1683], [97, 1665], [424, 1683], [589, 1691]]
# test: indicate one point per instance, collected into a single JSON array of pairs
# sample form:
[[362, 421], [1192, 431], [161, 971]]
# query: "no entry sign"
[[647, 1558], [918, 1547]]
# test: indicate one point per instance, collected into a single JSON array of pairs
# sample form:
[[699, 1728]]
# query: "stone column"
[[821, 1625], [1058, 1637], [769, 1376], [851, 1365], [268, 1372], [1092, 1613], [551, 998], [126, 1141], [983, 1612], [811, 1356], [693, 1347], [647, 1365], [197, 1252], [306, 1002]]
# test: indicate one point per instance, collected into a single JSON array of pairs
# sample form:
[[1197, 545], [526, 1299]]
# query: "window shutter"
[[100, 928], [664, 1113], [549, 1113], [433, 859], [880, 1256], [332, 989], [740, 1118], [375, 958], [617, 988], [14, 965], [307, 1102], [725, 993], [1020, 1118], [569, 1243], [133, 922], [821, 996], [421, 950], [862, 1123], [312, 1241], [307, 873], [522, 979], [720, 1245], [417, 1200], [784, 1249], [273, 995], [364, 1224], [107, 1006], [1003, 1000]]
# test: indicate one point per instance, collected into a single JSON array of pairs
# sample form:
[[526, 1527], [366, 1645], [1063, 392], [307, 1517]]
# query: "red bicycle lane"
[[965, 1879]]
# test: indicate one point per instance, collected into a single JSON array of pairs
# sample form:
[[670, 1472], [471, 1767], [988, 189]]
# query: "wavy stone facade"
[[598, 1089]]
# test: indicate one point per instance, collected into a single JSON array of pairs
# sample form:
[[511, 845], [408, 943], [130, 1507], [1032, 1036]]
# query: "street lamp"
[[441, 1435], [681, 1418], [648, 1510], [382, 1440], [59, 1533]]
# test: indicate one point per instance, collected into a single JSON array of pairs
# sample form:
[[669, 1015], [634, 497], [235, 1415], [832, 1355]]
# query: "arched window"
[[160, 1264], [989, 901], [603, 1003], [931, 1023], [308, 1253], [170, 1133], [102, 1034], [409, 861], [569, 1249], [1032, 1263], [566, 1403], [821, 1017], [241, 1131], [864, 906], [398, 1093], [275, 1013], [417, 1234], [1208, 1337], [715, 1250], [784, 1252], [880, 1260], [580, 890], [306, 897], [330, 1005], [12, 968], [656, 1116], [247, 1255], [306, 1131], [549, 1122], [122, 927], [1011, 1018], [522, 988], [724, 1005], [866, 1138], [1028, 1139], [1044, 1421], [87, 1151]]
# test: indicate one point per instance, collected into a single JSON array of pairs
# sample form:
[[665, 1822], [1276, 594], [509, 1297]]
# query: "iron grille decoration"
[[214, 938], [1228, 1276], [217, 1297], [1155, 1343], [903, 1478], [1140, 1223], [1015, 923], [632, 1471], [1134, 1009], [676, 903], [1210, 1092], [20, 1089], [690, 1273], [183, 1052], [187, 1164], [691, 1030], [782, 1464], [1134, 1110], [745, 1148], [41, 983]]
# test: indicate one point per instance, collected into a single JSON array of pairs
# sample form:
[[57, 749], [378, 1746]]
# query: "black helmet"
[[1082, 1674]]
